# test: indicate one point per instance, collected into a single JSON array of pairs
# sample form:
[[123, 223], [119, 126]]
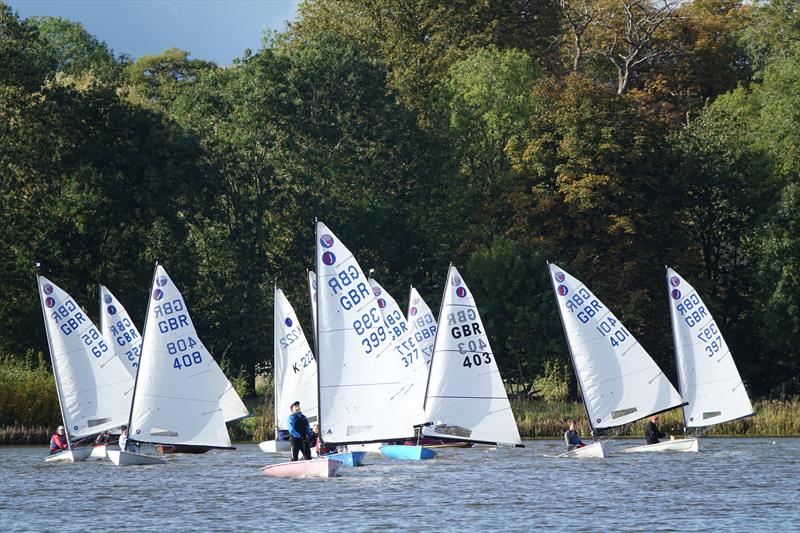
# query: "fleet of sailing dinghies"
[[465, 398], [93, 386], [619, 381], [295, 371], [360, 389], [413, 369], [181, 396], [423, 324], [119, 331]]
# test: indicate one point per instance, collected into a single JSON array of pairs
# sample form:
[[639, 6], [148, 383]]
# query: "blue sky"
[[216, 30]]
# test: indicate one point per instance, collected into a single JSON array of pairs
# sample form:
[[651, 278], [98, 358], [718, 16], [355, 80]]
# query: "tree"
[[158, 79]]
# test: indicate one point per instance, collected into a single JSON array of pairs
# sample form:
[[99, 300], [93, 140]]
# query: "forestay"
[[410, 363], [295, 367], [423, 324], [182, 396], [466, 398], [358, 385], [707, 374], [620, 382], [94, 388], [119, 331]]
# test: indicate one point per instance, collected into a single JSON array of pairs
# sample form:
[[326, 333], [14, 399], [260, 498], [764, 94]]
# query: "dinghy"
[[92, 384], [181, 396], [707, 375], [359, 389], [294, 370], [406, 453], [618, 380], [465, 398], [322, 467]]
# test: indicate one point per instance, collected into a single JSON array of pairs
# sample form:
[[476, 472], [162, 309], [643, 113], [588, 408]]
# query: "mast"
[[675, 348], [139, 366], [436, 337], [52, 360], [275, 353], [316, 325], [571, 356]]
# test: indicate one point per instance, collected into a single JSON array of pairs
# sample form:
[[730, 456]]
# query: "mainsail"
[[423, 324], [295, 366], [94, 388], [707, 374], [411, 365], [619, 381], [181, 395], [358, 387], [119, 331], [466, 398]]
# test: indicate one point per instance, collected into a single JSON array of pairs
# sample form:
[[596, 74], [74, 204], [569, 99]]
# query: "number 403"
[[477, 359]]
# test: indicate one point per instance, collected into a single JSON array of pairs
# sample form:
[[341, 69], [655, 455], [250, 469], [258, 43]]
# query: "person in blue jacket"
[[299, 432], [572, 437]]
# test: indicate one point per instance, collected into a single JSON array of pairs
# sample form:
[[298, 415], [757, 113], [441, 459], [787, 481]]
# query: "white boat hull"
[[275, 446], [99, 451], [596, 449], [689, 444], [74, 455], [120, 458], [314, 468]]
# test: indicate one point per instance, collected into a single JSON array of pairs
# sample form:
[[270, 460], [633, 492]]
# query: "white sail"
[[409, 362], [295, 366], [466, 398], [619, 381], [423, 324], [312, 291], [181, 393], [707, 374], [93, 385], [119, 331], [358, 399]]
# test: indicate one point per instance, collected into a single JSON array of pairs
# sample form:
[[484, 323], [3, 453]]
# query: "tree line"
[[612, 137]]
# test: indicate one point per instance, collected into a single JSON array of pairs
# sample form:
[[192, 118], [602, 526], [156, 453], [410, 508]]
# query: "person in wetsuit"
[[651, 433], [299, 432]]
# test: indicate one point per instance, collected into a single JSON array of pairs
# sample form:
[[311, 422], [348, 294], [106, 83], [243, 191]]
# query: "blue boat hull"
[[407, 453], [349, 458]]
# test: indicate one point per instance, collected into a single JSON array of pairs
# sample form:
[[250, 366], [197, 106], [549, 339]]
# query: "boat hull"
[[75, 455], [689, 444], [349, 459], [120, 458], [407, 453], [162, 449], [322, 467], [594, 450], [275, 446], [370, 447]]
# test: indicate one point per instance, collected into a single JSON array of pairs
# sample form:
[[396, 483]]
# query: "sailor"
[[58, 442], [123, 442], [652, 433], [572, 437], [316, 439], [299, 432]]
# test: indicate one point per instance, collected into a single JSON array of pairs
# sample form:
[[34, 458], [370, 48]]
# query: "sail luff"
[[276, 368], [436, 339], [678, 366], [138, 368]]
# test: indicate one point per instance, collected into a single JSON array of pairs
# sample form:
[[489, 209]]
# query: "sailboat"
[[119, 331], [618, 380], [466, 399], [413, 371], [92, 384], [294, 370], [423, 324], [180, 396], [359, 389], [707, 375]]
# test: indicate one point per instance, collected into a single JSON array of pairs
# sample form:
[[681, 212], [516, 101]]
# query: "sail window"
[[97, 421], [159, 432], [711, 414], [622, 412]]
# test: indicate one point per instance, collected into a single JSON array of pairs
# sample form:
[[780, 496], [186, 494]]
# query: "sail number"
[[477, 359], [364, 328], [586, 305], [171, 323], [711, 336], [90, 337], [608, 328], [691, 310], [349, 297], [396, 324], [63, 313], [290, 337], [184, 359], [124, 332]]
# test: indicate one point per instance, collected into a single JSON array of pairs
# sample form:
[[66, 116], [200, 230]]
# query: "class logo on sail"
[[328, 258]]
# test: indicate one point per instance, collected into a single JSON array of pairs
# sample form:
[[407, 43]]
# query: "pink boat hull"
[[313, 468]]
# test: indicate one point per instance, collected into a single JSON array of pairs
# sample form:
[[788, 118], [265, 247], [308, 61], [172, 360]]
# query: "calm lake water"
[[731, 485]]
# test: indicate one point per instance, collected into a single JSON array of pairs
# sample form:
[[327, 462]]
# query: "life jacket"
[[301, 423], [56, 445]]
